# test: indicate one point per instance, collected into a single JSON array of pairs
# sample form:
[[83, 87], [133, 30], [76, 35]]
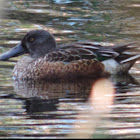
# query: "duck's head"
[[37, 43]]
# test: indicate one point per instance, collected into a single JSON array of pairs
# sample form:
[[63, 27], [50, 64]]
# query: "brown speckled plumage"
[[42, 69]]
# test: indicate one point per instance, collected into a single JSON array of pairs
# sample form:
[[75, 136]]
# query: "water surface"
[[43, 109]]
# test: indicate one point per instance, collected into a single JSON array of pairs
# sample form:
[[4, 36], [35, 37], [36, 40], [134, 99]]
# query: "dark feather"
[[88, 50], [70, 53], [125, 47]]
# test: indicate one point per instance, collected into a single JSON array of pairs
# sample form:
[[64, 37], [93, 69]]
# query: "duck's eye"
[[31, 39]]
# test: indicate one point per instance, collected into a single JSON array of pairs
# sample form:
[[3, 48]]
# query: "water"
[[43, 109]]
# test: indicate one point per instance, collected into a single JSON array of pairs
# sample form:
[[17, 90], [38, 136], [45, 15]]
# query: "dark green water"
[[48, 110]]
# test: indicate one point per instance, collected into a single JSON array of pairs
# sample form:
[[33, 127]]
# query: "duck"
[[45, 59]]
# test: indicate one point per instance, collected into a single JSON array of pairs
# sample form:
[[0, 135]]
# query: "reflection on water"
[[42, 108], [48, 109], [48, 89]]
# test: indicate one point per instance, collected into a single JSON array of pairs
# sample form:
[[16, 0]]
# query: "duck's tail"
[[125, 60], [126, 64]]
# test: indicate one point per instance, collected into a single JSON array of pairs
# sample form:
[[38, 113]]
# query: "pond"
[[49, 109]]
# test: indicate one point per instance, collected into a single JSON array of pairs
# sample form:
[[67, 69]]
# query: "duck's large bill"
[[16, 51]]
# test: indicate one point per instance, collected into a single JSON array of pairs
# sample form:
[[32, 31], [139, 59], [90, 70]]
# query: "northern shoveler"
[[47, 60]]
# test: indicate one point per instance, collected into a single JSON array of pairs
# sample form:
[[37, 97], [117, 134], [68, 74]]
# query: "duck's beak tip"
[[16, 51]]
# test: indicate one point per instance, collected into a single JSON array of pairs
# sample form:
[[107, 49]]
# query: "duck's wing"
[[121, 53], [79, 51], [70, 53]]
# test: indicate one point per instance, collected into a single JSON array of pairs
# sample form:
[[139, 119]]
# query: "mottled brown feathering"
[[43, 69]]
